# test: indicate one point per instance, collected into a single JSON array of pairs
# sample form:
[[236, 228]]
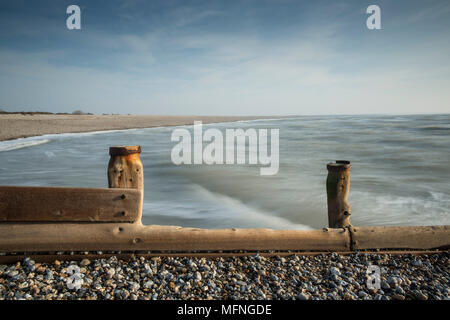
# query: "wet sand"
[[13, 126]]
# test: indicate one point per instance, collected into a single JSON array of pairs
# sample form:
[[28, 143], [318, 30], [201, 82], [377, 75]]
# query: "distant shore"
[[13, 126]]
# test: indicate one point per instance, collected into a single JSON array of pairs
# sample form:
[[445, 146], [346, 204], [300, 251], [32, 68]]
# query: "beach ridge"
[[14, 126]]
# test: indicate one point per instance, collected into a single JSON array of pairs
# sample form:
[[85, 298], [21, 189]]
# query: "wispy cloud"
[[218, 59]]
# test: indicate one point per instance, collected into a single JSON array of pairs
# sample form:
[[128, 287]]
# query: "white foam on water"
[[19, 144], [220, 209], [401, 210], [263, 120], [83, 134], [49, 154]]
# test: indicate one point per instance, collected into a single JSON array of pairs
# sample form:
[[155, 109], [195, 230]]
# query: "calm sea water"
[[400, 172]]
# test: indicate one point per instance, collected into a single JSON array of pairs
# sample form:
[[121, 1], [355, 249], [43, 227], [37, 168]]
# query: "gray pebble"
[[303, 296], [330, 276]]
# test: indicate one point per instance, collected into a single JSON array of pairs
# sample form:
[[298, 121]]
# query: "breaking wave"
[[20, 144]]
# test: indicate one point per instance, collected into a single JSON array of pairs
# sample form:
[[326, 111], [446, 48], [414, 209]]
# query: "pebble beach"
[[321, 277]]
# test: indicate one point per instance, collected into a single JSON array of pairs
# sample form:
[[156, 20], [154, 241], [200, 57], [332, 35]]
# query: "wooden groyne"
[[50, 223]]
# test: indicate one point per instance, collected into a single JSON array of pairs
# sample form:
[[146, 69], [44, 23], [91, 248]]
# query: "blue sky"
[[262, 57]]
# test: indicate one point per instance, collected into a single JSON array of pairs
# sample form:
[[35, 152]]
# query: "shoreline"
[[16, 126]]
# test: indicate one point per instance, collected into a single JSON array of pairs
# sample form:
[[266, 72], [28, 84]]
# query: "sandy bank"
[[321, 277], [14, 126]]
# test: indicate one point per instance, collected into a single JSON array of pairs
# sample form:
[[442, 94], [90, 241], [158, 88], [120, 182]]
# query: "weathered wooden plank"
[[56, 204], [132, 237], [22, 237], [423, 237]]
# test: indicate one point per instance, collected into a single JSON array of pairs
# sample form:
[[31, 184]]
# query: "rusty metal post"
[[125, 168], [338, 185]]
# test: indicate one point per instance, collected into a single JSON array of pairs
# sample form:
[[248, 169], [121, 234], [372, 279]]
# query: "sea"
[[400, 172]]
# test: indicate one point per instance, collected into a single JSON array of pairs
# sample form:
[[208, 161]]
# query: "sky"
[[248, 57]]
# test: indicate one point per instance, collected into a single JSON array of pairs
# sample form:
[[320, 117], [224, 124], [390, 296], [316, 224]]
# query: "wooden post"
[[338, 185], [125, 168]]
